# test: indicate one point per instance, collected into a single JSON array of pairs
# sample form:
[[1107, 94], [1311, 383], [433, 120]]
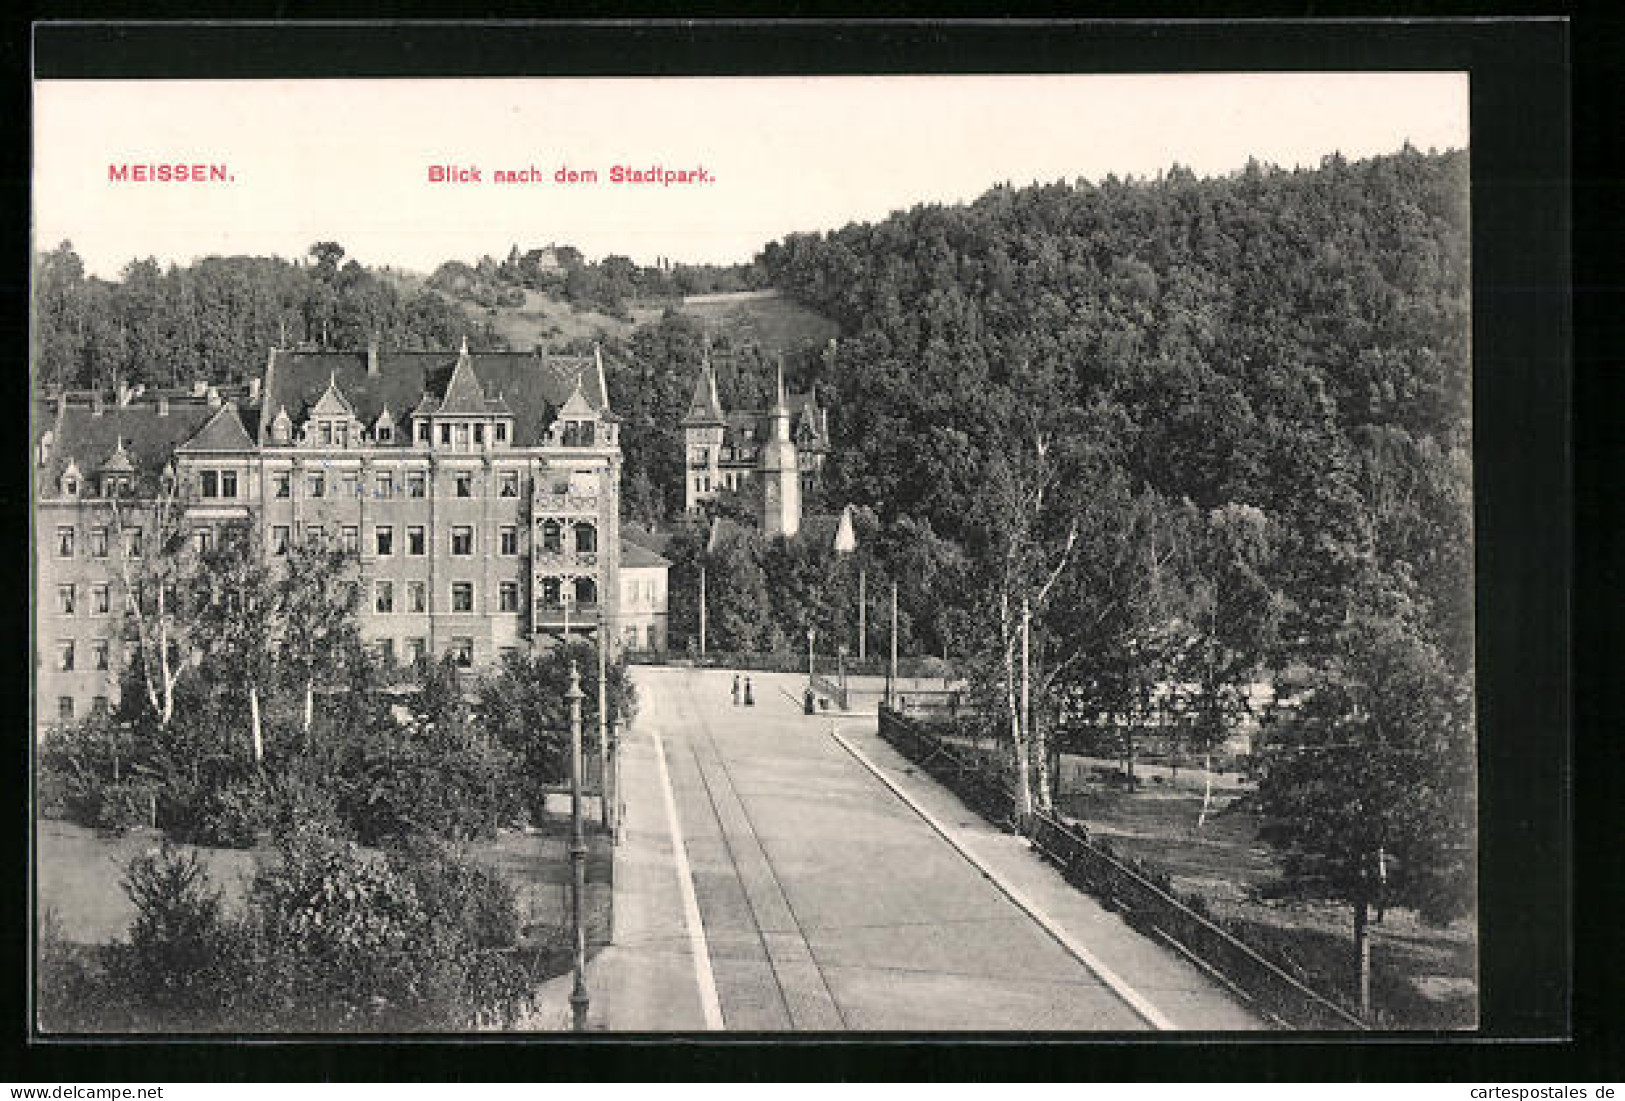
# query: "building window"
[[383, 539], [508, 483], [228, 484], [479, 433], [502, 431], [586, 539], [445, 434], [211, 483], [203, 540], [98, 706], [552, 537], [462, 437], [416, 649], [65, 599], [64, 542], [100, 600], [386, 652], [99, 654], [386, 485], [132, 543], [509, 596], [423, 431], [416, 484], [70, 486], [350, 485], [510, 540], [64, 655], [383, 596], [316, 485], [462, 650], [462, 596], [281, 485], [350, 539], [415, 540], [465, 485], [98, 542], [341, 434], [462, 541], [586, 591], [64, 707], [313, 536], [279, 539], [327, 433], [417, 596], [386, 434], [552, 592]]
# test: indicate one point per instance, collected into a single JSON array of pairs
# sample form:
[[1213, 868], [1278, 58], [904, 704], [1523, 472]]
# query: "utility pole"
[[578, 857], [863, 613], [891, 674], [603, 728], [1026, 679], [702, 609]]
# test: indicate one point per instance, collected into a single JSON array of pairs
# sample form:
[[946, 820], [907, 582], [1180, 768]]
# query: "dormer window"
[[423, 431], [386, 433], [502, 431], [326, 431], [479, 434], [341, 434]]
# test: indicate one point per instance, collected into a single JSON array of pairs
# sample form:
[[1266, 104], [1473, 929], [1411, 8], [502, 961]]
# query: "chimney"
[[212, 396], [372, 356], [96, 404], [254, 389], [199, 387], [124, 392]]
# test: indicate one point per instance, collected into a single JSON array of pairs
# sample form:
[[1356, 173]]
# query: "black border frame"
[[1523, 389]]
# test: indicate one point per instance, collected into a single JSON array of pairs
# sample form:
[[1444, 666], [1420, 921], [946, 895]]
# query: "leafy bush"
[[235, 815]]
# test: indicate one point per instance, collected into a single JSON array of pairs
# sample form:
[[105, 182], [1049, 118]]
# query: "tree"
[[153, 566], [318, 636], [1367, 789], [236, 624]]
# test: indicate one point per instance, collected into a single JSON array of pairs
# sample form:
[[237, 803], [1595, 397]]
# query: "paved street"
[[825, 901]]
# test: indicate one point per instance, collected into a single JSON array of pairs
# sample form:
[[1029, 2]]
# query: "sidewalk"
[[646, 980], [1185, 996]]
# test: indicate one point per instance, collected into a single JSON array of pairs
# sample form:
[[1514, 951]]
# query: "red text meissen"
[[169, 173]]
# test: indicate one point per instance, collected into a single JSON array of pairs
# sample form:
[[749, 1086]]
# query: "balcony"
[[554, 615], [565, 561]]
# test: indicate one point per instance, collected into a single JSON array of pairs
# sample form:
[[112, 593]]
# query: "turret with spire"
[[781, 473]]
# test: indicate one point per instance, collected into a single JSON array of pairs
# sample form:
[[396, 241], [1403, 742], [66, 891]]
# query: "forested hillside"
[[218, 317]]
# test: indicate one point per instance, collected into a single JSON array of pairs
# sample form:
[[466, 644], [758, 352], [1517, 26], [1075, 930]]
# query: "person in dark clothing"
[[750, 701], [736, 689]]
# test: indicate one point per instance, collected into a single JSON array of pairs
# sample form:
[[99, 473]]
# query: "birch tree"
[[151, 555]]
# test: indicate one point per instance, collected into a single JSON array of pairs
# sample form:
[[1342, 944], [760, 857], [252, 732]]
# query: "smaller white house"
[[643, 615]]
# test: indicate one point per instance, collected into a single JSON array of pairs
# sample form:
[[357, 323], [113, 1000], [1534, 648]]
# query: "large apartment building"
[[479, 492]]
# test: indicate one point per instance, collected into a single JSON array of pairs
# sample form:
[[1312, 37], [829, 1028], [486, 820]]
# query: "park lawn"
[[80, 873], [1422, 977]]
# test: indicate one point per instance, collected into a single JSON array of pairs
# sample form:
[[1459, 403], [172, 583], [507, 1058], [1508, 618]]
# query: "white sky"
[[347, 160]]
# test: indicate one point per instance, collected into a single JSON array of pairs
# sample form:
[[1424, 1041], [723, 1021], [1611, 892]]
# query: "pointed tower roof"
[[704, 409], [464, 394], [222, 432]]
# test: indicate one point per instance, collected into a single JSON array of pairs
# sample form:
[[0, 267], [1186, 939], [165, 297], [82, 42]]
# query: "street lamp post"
[[578, 857], [603, 728], [840, 663], [810, 634]]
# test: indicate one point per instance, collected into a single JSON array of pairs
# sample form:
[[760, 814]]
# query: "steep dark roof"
[[703, 407], [464, 395], [761, 421], [533, 387], [149, 439], [224, 432], [647, 538], [634, 557]]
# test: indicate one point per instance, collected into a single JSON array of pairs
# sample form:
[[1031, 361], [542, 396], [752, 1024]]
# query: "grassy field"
[[1422, 977], [80, 874]]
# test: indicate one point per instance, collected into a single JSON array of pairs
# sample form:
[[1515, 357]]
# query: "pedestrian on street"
[[736, 689], [750, 701]]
